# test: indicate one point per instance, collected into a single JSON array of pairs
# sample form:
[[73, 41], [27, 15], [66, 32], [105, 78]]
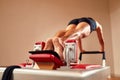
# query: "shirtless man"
[[77, 29]]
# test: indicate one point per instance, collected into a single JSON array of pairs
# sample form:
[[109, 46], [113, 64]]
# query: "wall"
[[23, 22], [115, 16]]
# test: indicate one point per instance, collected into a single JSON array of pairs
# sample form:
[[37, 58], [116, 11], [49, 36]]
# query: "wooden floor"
[[114, 78]]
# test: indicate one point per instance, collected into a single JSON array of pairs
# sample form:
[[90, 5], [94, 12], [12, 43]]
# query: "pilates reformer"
[[70, 54], [49, 60]]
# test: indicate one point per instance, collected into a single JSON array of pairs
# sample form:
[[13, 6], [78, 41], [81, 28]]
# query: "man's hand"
[[82, 50], [101, 50]]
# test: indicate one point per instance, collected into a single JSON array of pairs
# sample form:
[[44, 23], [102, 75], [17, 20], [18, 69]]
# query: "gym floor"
[[114, 78]]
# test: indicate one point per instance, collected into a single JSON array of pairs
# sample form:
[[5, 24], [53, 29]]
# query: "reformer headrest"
[[46, 52]]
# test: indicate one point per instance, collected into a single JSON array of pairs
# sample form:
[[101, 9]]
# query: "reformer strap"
[[45, 52], [8, 73]]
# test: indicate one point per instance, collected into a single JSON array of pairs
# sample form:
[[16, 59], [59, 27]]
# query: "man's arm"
[[100, 37]]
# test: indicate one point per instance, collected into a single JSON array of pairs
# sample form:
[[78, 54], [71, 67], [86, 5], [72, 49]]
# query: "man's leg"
[[69, 31], [49, 45], [60, 33], [58, 47]]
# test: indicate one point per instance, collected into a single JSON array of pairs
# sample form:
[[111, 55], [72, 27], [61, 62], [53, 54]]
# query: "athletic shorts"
[[88, 20]]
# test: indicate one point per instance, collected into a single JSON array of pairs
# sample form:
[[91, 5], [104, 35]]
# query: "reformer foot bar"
[[94, 52]]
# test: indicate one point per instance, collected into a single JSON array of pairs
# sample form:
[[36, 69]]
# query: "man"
[[77, 29]]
